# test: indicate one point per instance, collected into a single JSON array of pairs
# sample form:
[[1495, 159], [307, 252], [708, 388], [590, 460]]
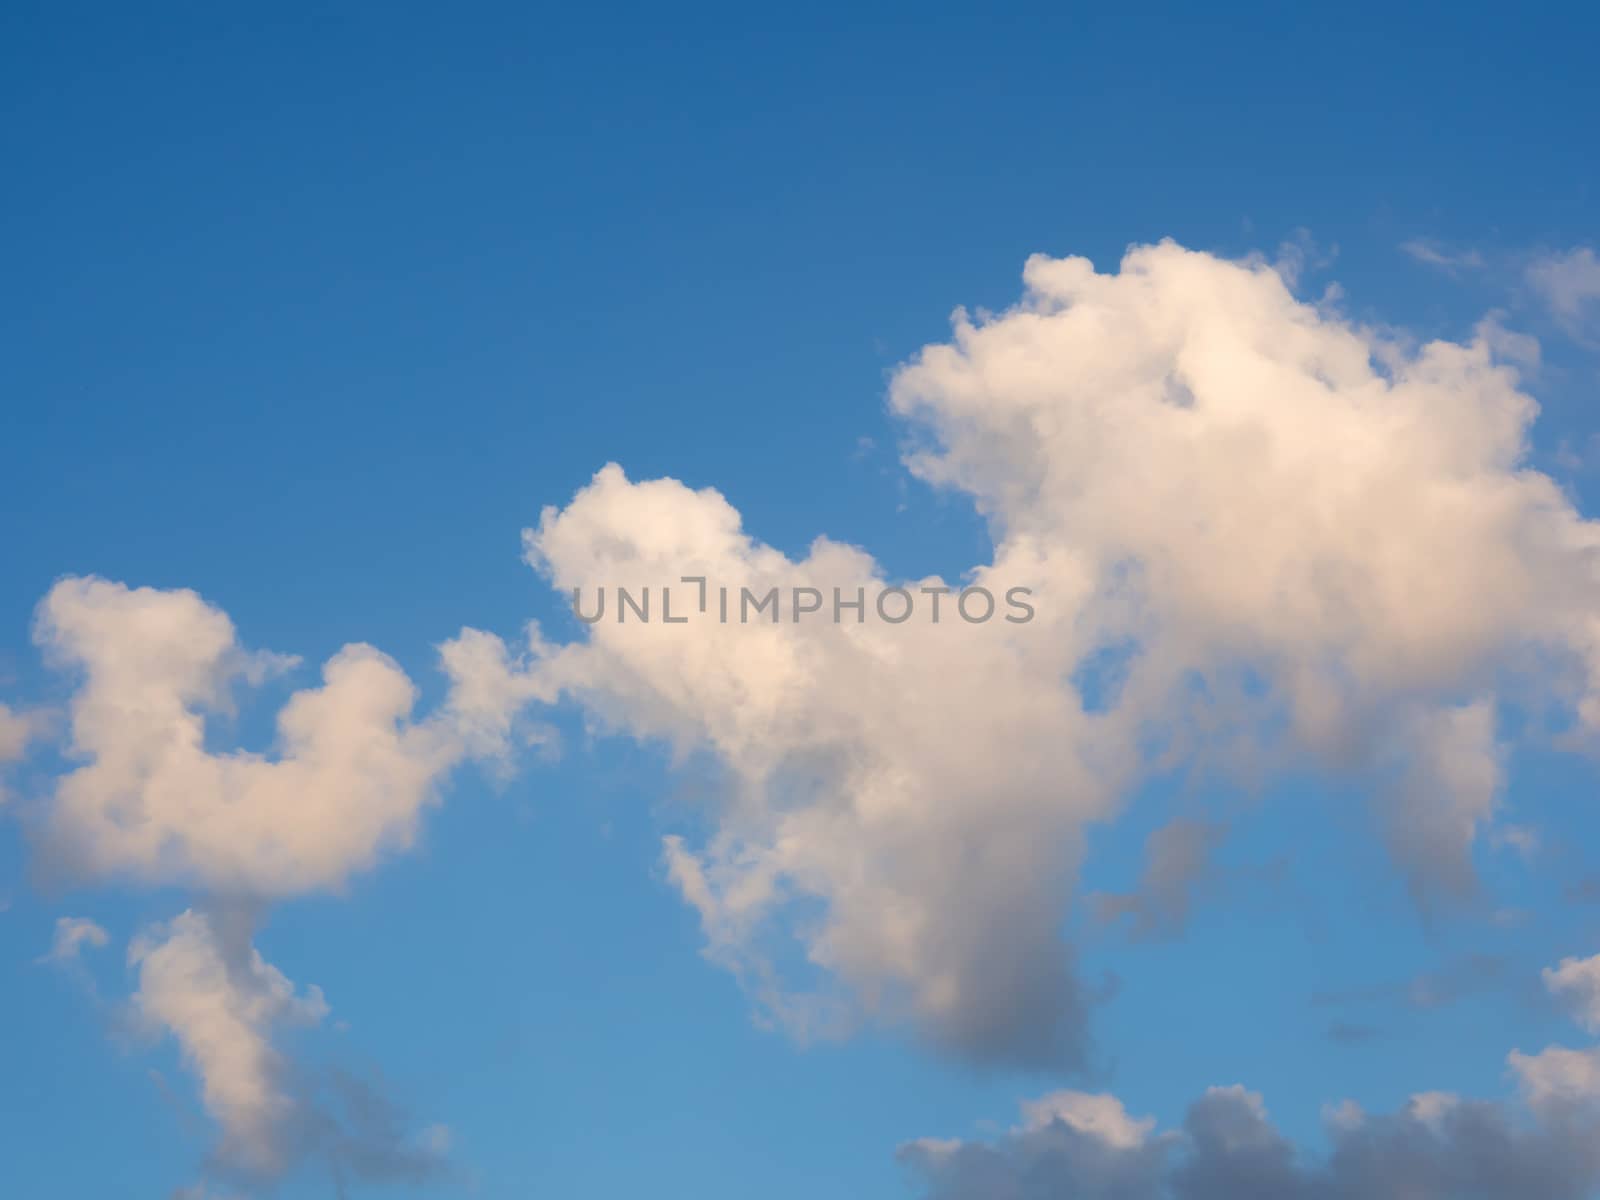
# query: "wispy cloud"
[[1445, 258], [1440, 987], [72, 935], [1569, 285]]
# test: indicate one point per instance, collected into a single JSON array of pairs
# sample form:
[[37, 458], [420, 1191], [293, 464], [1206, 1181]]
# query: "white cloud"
[[1449, 784], [1433, 1108], [17, 729], [1560, 1080], [926, 782], [203, 982], [1297, 541], [71, 936], [1101, 1116], [1557, 1077], [1245, 479], [1435, 254], [153, 802], [1576, 982], [1569, 283], [1300, 542], [222, 1002]]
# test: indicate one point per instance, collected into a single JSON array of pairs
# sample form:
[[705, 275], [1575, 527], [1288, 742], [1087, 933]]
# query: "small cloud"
[[1519, 349], [1576, 983], [1569, 285], [1345, 1034], [1441, 257], [1464, 977], [72, 935], [1343, 1117], [20, 727], [1469, 975], [1299, 254], [202, 1191], [369, 1137], [1522, 839], [436, 1139], [1179, 866], [1573, 458]]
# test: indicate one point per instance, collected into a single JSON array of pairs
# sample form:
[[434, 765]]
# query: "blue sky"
[[315, 312]]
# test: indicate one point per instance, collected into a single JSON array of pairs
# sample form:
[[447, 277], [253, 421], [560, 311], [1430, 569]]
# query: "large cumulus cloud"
[[926, 782], [1254, 530]]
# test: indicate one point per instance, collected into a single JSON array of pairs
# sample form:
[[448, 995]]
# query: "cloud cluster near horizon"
[[1262, 537], [1438, 1146]]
